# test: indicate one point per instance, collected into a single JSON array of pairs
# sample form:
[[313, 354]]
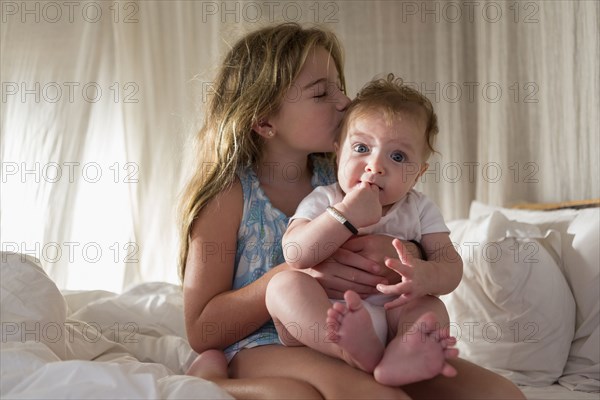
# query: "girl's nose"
[[342, 101]]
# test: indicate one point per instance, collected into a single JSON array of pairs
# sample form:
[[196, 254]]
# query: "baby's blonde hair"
[[250, 85], [391, 97]]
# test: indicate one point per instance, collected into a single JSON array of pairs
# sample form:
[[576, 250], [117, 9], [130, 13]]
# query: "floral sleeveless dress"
[[259, 243]]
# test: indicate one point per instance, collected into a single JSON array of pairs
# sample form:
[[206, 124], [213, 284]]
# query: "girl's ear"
[[263, 128]]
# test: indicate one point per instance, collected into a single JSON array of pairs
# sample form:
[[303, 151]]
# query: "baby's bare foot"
[[350, 326], [210, 365], [421, 353]]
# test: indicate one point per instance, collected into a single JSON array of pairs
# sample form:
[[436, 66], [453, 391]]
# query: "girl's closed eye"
[[398, 156], [330, 90], [321, 90]]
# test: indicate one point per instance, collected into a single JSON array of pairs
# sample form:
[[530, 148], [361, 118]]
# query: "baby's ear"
[[336, 146], [424, 167]]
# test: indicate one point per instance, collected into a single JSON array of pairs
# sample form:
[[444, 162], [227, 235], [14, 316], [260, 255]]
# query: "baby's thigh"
[[401, 319], [287, 292]]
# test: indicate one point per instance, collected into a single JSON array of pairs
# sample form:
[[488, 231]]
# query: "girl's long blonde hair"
[[251, 84]]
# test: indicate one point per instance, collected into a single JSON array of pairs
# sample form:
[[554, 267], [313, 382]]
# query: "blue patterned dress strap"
[[259, 243]]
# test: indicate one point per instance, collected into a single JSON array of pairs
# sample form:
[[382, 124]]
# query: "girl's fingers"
[[352, 259], [404, 255]]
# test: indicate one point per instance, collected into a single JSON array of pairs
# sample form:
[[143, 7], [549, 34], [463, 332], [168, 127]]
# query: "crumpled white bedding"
[[92, 344], [97, 344], [556, 392]]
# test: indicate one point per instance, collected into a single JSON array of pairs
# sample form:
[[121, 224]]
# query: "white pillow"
[[580, 234], [555, 219], [513, 312], [582, 270], [33, 309]]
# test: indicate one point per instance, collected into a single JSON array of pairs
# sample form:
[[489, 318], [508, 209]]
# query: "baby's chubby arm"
[[440, 274], [308, 243]]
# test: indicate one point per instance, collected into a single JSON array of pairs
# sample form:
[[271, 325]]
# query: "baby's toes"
[[340, 308], [451, 353]]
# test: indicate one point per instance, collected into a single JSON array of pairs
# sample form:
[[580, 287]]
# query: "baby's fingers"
[[399, 267], [397, 289], [374, 188]]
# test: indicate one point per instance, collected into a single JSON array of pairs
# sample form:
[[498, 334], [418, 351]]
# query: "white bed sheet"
[[556, 392], [93, 344], [141, 352]]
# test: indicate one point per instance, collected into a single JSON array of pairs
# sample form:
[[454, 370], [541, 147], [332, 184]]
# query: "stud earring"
[[270, 134]]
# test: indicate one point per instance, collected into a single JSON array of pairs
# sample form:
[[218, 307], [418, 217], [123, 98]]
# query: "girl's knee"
[[275, 388]]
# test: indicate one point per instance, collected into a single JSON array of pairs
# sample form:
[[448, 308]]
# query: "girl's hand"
[[359, 265], [414, 281], [378, 248], [346, 270]]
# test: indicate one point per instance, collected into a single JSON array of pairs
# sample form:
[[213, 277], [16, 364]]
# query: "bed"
[[528, 308]]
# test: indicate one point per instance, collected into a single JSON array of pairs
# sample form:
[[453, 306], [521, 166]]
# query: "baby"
[[385, 141]]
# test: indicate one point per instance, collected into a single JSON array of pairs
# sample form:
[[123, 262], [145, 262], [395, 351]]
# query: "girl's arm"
[[215, 315]]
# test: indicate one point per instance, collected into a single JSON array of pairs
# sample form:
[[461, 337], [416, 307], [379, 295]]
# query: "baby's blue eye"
[[360, 148], [398, 156]]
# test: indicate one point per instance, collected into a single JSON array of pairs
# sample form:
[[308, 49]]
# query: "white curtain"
[[100, 100]]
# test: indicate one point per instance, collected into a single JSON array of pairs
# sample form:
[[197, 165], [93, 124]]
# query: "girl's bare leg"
[[332, 378], [212, 365], [269, 388], [209, 365], [471, 382]]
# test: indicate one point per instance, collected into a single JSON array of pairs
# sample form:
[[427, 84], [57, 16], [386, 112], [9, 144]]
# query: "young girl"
[[386, 138], [279, 99]]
